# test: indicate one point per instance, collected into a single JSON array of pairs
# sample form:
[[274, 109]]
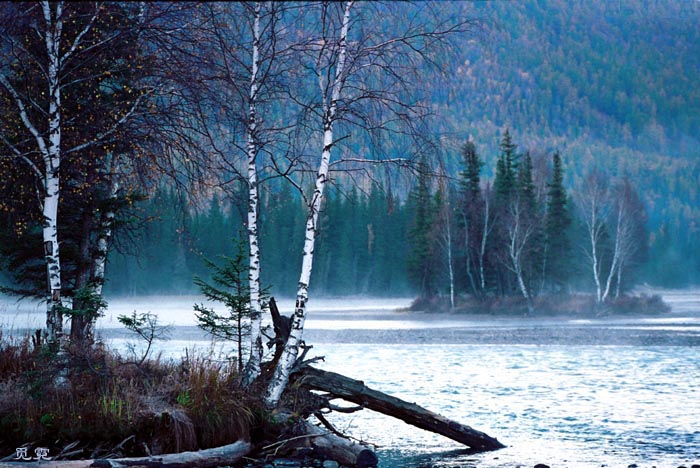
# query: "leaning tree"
[[360, 69]]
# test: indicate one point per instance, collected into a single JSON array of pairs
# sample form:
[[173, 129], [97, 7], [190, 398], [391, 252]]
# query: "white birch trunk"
[[616, 254], [103, 240], [252, 369], [519, 239], [449, 264], [52, 162], [593, 234], [468, 254], [484, 238], [291, 350]]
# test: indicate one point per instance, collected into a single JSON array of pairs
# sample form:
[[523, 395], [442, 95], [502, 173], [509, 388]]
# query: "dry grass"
[[113, 407]]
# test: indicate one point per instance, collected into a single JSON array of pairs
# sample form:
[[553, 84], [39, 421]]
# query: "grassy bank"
[[98, 404]]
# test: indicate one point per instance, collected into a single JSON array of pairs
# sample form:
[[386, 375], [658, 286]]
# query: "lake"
[[562, 391]]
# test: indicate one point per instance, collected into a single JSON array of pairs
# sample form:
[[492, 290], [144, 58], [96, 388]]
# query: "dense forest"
[[609, 88]]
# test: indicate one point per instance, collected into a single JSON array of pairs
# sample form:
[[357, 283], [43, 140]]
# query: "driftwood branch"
[[218, 456], [357, 392]]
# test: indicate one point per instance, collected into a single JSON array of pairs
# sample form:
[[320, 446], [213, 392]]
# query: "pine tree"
[[557, 223], [419, 261], [471, 222], [506, 167]]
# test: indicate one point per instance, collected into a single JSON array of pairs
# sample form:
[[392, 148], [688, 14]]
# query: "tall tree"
[[506, 169], [329, 117], [420, 259], [365, 83], [593, 202], [629, 233], [557, 256], [471, 213], [47, 47], [442, 232]]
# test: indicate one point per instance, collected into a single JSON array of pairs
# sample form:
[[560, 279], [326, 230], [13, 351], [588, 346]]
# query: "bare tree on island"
[[614, 219], [358, 70]]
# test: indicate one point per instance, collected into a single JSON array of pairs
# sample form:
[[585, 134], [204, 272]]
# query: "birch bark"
[[519, 233], [592, 205], [51, 155], [252, 369], [291, 350]]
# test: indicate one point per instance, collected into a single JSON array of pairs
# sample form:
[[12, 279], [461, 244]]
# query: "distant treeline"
[[524, 233], [362, 244]]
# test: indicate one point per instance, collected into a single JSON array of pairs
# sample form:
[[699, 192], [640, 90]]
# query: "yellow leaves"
[[21, 228]]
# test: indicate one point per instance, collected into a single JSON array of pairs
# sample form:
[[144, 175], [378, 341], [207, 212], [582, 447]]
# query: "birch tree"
[[443, 232], [628, 217], [593, 204], [520, 231], [68, 72], [232, 61], [291, 349], [366, 82]]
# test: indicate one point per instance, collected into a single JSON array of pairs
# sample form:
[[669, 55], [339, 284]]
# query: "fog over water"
[[564, 391]]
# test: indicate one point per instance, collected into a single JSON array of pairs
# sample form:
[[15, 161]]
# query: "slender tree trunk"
[[468, 254], [616, 254], [252, 369], [484, 238], [104, 238], [284, 366], [619, 281], [99, 256], [515, 252], [593, 235], [450, 270], [78, 319], [52, 160]]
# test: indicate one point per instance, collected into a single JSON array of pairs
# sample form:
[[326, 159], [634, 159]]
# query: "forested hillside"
[[611, 85]]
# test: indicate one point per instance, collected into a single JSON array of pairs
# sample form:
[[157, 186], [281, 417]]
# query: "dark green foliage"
[[229, 286], [471, 219], [505, 182], [471, 174], [558, 256], [361, 244], [420, 260]]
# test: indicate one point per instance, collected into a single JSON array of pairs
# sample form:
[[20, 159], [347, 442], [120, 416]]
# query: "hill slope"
[[612, 85]]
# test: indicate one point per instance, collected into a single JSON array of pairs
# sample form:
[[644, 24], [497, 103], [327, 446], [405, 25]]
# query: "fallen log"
[[207, 458], [322, 443], [357, 392]]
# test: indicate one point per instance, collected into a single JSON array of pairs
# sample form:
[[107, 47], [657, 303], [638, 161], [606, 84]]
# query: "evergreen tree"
[[557, 260], [420, 260], [471, 175], [471, 220], [504, 192], [506, 168]]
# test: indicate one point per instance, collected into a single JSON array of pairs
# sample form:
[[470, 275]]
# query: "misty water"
[[562, 391]]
